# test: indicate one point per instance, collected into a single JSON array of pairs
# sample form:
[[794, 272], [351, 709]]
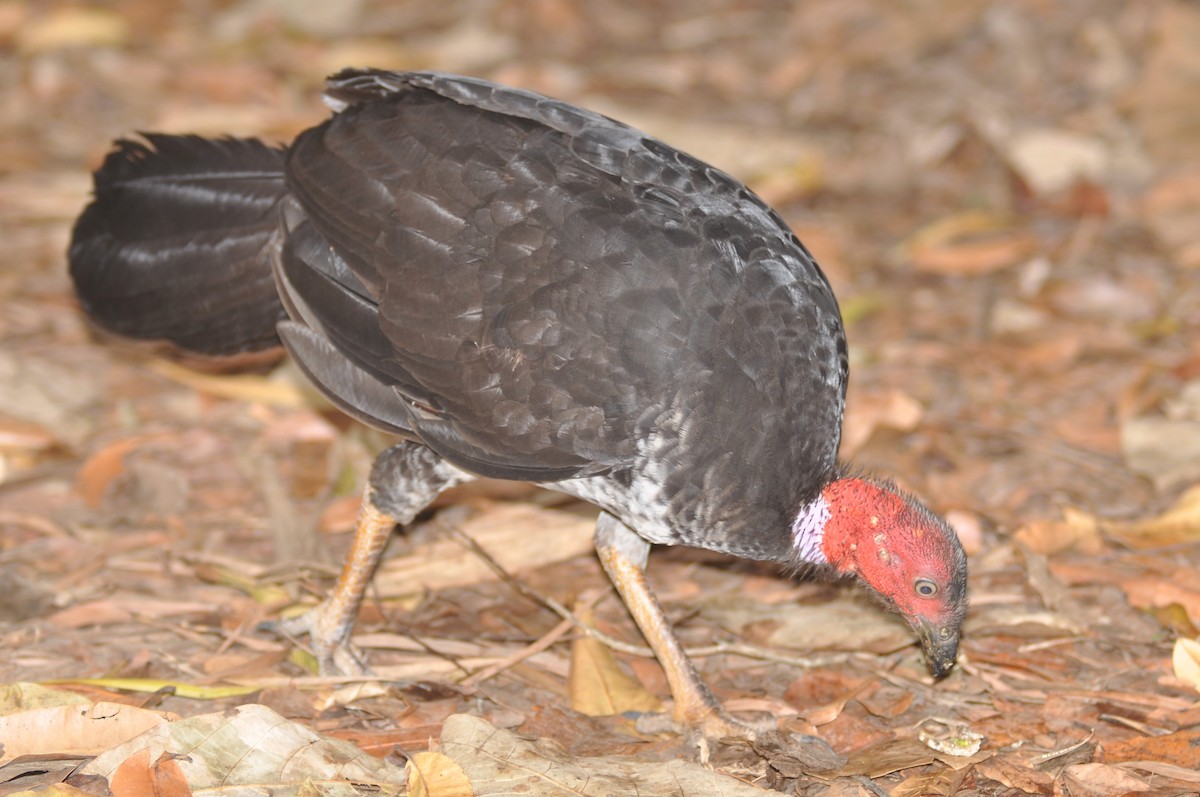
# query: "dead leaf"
[[1172, 209], [1053, 593], [597, 685], [1181, 748], [54, 789], [845, 623], [272, 390], [73, 27], [887, 757], [1174, 617], [1050, 160], [893, 409], [353, 693], [1165, 113], [24, 437], [1167, 450], [151, 685], [253, 746], [137, 778], [1100, 780], [823, 715], [1076, 531], [24, 696], [1186, 660], [120, 609], [941, 782], [968, 243], [968, 527], [43, 392], [499, 762], [1144, 590], [504, 531], [1016, 776], [103, 467], [792, 182], [73, 729], [436, 775], [1179, 524], [1162, 770]]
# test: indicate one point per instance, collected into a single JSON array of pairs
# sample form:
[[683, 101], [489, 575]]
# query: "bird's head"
[[906, 554]]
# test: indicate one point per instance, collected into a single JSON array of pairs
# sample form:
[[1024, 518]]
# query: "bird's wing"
[[538, 282]]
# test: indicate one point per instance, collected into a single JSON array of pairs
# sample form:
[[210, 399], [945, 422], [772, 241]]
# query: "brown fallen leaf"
[[827, 713], [267, 390], [1050, 160], [1179, 524], [597, 685], [1174, 617], [73, 27], [500, 529], [1181, 748], [121, 609], [1014, 775], [893, 409], [103, 467], [887, 757], [1167, 450], [1186, 661], [1143, 589], [1076, 531], [499, 762], [25, 696], [253, 746], [968, 243], [73, 729], [838, 624], [136, 777], [436, 775], [1101, 780], [791, 182], [941, 782]]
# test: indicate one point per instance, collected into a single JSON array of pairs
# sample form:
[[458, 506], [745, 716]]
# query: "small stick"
[[548, 639]]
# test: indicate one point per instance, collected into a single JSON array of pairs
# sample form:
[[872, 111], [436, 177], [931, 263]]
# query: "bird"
[[518, 288]]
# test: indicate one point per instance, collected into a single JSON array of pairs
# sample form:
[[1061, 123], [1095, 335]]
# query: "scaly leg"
[[623, 554], [404, 480]]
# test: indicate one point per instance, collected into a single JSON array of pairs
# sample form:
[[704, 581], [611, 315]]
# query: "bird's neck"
[[838, 526], [808, 531]]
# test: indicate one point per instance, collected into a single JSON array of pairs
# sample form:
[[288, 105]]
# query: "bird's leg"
[[623, 554], [329, 624], [404, 480]]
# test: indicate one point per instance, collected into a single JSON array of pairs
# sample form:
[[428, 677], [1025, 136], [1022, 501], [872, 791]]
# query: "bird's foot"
[[329, 638]]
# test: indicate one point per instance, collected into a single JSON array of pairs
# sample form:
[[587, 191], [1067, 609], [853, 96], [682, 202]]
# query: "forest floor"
[[1006, 198]]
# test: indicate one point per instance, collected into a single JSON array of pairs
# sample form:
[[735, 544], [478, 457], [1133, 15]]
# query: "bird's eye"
[[925, 588]]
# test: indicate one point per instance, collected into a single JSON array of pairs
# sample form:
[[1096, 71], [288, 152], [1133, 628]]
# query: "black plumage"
[[517, 288], [184, 223], [532, 290]]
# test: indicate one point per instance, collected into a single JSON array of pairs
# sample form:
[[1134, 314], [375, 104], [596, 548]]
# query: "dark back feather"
[[562, 291]]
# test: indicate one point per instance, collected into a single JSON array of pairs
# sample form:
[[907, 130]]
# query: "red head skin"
[[905, 553]]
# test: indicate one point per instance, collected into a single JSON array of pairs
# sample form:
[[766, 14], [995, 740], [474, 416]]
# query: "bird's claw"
[[329, 639]]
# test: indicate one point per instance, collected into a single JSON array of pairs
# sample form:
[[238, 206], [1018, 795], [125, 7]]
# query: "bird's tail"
[[176, 246]]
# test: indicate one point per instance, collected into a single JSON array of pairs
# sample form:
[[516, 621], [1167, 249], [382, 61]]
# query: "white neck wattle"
[[808, 531]]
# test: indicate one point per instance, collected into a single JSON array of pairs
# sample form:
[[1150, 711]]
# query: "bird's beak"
[[940, 643]]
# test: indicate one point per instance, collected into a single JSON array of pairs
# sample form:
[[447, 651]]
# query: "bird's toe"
[[329, 640]]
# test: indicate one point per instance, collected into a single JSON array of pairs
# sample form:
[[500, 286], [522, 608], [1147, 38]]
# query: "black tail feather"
[[176, 246]]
